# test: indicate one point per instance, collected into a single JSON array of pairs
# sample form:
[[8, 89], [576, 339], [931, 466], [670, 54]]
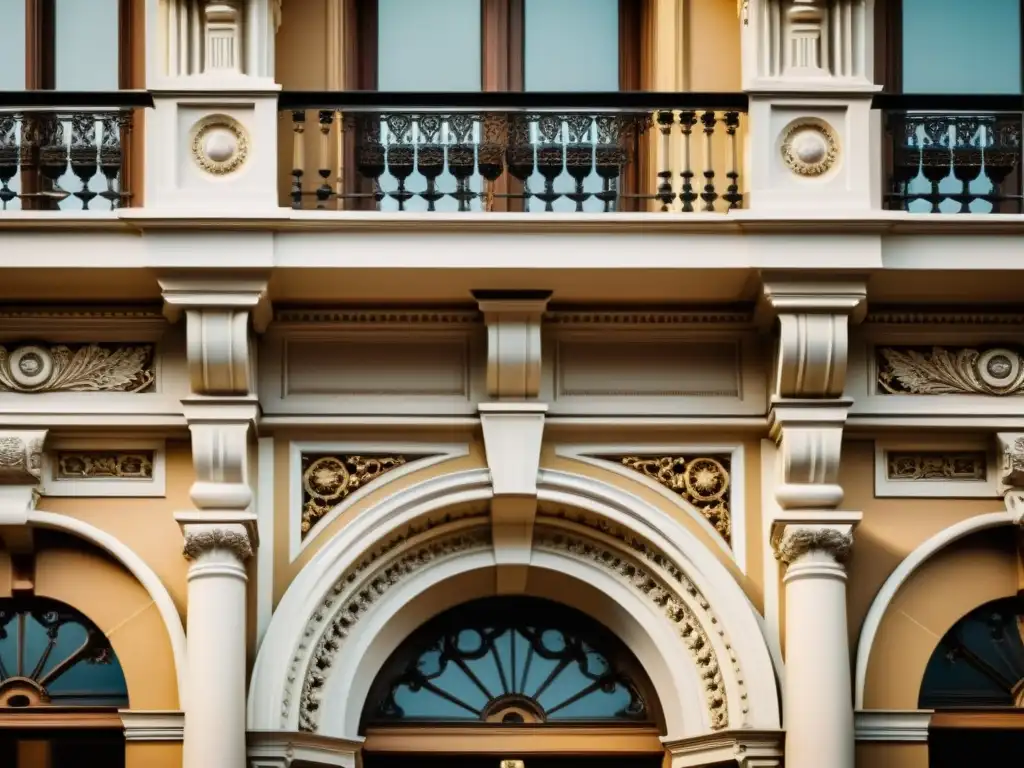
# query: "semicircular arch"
[[680, 596]]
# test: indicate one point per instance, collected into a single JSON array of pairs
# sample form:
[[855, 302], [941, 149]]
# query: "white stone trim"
[[738, 621], [265, 508], [140, 570], [588, 454], [156, 486], [153, 725], [431, 453], [899, 577], [931, 489], [770, 510], [910, 725]]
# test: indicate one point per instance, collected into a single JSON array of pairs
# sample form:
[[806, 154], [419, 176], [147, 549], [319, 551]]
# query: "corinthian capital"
[[830, 534], [203, 539]]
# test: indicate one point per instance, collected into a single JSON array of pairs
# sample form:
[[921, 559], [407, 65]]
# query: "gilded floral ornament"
[[104, 464], [704, 482], [220, 144], [809, 147], [327, 480], [940, 371], [86, 368]]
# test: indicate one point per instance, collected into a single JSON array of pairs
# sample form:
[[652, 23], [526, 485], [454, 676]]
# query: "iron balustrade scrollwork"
[[953, 153], [63, 150], [568, 152]]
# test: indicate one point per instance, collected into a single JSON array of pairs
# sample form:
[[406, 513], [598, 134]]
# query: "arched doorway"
[[975, 683], [61, 686], [519, 679]]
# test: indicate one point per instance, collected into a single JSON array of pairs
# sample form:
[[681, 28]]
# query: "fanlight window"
[[510, 661], [979, 663], [50, 654]]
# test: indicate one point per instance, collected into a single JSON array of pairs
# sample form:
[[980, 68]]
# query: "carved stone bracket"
[[218, 314], [814, 319], [220, 455], [513, 341], [1011, 475], [204, 538], [810, 439], [795, 537]]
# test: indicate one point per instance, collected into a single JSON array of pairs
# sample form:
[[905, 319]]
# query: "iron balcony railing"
[[65, 149], [953, 153], [582, 152]]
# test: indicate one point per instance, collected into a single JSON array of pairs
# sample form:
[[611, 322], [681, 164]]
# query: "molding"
[[928, 488], [155, 725], [70, 324], [591, 453], [428, 454], [141, 571], [738, 633], [517, 740], [265, 524], [910, 725], [280, 749], [902, 573], [929, 319], [153, 486], [744, 748], [630, 319], [326, 319]]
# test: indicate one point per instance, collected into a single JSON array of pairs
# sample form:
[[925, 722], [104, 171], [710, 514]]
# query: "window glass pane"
[[427, 45], [950, 46], [86, 45], [12, 45], [571, 45]]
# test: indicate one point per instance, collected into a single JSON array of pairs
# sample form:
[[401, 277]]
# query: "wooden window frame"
[[502, 43]]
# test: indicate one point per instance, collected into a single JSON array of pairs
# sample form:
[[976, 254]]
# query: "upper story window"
[[64, 45]]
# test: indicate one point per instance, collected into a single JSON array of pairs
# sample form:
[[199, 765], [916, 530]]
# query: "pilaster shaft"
[[818, 715]]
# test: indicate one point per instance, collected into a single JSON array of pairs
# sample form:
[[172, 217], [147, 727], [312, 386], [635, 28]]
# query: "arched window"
[[975, 683], [511, 661], [50, 654]]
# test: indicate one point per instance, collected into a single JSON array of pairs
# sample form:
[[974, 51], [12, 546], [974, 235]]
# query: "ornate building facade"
[[511, 382]]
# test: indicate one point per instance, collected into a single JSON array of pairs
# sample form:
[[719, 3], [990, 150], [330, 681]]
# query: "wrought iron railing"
[[953, 153], [582, 152], [63, 149]]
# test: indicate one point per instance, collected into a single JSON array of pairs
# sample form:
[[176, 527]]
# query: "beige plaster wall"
[[969, 573], [711, 46], [109, 595], [891, 528], [882, 755], [145, 525], [153, 755]]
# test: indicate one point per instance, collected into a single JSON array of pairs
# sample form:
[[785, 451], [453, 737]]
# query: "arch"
[[907, 568], [634, 568], [135, 565]]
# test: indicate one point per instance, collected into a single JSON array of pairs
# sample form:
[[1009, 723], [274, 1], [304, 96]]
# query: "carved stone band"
[[21, 457], [202, 539], [795, 541]]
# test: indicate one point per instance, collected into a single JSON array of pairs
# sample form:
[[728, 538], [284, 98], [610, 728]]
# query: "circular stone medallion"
[[220, 144], [809, 147], [999, 368], [31, 366]]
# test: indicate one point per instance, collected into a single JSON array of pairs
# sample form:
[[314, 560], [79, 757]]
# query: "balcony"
[[953, 154], [513, 152], [67, 150]]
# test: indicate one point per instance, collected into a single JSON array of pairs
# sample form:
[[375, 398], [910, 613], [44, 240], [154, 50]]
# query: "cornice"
[[363, 319], [156, 725], [897, 316], [82, 323], [661, 319]]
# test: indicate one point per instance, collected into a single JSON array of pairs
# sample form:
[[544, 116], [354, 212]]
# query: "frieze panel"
[[37, 368], [994, 371], [83, 465], [936, 465]]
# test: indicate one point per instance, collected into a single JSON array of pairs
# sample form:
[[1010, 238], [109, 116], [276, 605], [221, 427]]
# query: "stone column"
[[220, 533], [818, 703]]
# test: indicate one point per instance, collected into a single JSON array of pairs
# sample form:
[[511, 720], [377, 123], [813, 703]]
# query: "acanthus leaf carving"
[[795, 541], [35, 368], [207, 539], [941, 371]]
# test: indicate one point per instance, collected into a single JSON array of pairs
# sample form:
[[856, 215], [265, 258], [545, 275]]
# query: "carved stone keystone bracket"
[[513, 341], [21, 456], [204, 538], [1011, 474], [796, 536], [810, 439]]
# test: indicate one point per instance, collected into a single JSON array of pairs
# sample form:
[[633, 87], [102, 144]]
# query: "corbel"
[[809, 435], [219, 314], [814, 320], [513, 425]]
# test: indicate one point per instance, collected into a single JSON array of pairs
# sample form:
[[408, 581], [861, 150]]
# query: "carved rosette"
[[703, 482], [795, 542], [220, 144], [21, 457], [34, 368], [809, 147], [328, 480], [199, 542], [939, 371]]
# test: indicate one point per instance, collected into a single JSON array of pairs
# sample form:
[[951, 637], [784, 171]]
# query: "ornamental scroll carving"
[[86, 368], [704, 482], [940, 371], [935, 465], [75, 465], [360, 587], [327, 480]]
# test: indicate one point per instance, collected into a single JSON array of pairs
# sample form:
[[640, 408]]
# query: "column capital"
[[797, 535], [513, 341], [207, 537]]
